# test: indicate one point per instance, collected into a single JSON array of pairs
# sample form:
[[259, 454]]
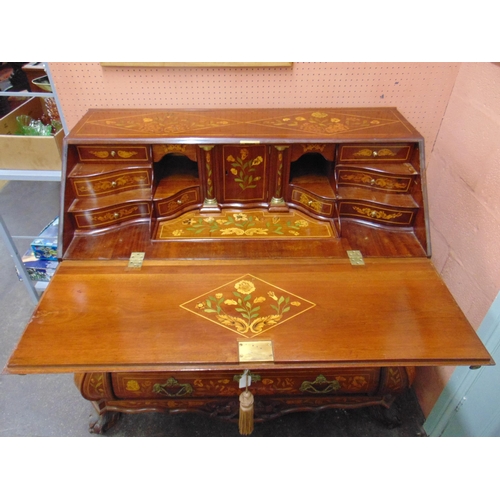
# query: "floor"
[[50, 405]]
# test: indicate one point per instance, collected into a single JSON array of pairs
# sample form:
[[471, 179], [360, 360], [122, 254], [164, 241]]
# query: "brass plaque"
[[260, 350], [355, 257]]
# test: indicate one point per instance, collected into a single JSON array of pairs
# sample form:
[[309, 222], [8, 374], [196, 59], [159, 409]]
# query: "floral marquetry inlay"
[[248, 306]]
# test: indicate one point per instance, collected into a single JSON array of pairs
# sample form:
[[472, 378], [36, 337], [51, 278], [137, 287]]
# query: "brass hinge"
[[136, 260], [355, 257]]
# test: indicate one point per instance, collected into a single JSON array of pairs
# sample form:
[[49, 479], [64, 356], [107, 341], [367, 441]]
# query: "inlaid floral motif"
[[377, 214], [251, 223], [244, 171], [248, 306]]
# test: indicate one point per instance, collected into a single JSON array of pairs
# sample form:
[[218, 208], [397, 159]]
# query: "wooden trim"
[[198, 64]]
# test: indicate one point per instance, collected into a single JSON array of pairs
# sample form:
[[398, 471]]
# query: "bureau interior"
[[117, 196]]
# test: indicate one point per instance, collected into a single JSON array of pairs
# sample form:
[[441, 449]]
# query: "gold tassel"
[[246, 413]]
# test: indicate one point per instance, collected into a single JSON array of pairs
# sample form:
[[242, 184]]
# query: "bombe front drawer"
[[102, 182], [264, 383], [102, 218]]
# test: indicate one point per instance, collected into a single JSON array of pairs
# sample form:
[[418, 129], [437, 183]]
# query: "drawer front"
[[374, 152], [377, 213], [101, 185], [312, 203], [350, 176], [102, 218], [265, 383], [326, 150], [184, 199], [189, 150], [114, 153]]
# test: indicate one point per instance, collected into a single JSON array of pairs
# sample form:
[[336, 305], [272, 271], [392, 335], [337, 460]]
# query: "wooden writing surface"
[[101, 316]]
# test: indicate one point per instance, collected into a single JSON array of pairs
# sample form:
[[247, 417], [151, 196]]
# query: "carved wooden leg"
[[388, 414], [104, 419]]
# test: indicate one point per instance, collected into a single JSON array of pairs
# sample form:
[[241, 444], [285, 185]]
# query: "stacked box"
[[38, 270], [45, 246]]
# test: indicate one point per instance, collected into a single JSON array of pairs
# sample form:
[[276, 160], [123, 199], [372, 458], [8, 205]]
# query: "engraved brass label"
[[248, 306], [261, 350], [355, 257]]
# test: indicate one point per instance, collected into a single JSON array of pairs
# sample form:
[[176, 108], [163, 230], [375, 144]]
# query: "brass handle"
[[372, 182], [375, 153], [310, 202], [331, 385], [179, 202], [182, 389], [114, 184], [373, 213], [113, 153], [116, 215]]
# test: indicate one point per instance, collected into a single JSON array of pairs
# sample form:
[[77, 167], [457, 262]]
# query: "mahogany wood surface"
[[100, 316], [229, 126]]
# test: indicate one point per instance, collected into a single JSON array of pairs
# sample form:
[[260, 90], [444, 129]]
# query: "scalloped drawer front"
[[313, 203], [184, 199], [106, 184], [103, 218]]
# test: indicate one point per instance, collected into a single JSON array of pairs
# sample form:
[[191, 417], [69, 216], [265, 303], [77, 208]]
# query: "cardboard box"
[[38, 270], [29, 152], [45, 246]]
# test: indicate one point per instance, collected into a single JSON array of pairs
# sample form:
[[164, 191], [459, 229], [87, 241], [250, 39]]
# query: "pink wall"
[[463, 182], [456, 107], [419, 90]]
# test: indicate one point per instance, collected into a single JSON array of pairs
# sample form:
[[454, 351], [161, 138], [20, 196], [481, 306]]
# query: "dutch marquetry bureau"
[[195, 245]]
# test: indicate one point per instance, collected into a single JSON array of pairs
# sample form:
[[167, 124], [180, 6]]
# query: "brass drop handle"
[[310, 202], [373, 213], [179, 389], [375, 153], [113, 153], [179, 202], [113, 184], [116, 215], [372, 182]]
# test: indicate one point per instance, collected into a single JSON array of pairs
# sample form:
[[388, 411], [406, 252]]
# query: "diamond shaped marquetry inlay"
[[248, 306]]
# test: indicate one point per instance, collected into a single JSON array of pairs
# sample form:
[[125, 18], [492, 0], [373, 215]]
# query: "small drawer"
[[111, 183], [114, 153], [189, 150], [185, 385], [325, 150], [313, 203], [184, 199], [376, 213], [389, 180], [106, 217], [374, 152]]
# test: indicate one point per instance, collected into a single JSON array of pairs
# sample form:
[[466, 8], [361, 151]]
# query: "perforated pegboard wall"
[[419, 90]]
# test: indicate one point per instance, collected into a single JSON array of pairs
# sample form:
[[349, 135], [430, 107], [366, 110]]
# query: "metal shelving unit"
[[29, 175]]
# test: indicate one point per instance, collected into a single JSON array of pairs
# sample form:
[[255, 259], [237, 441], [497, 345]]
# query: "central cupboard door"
[[245, 174]]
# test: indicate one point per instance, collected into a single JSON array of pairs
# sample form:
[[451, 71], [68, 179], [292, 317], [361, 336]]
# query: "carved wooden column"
[[279, 172], [207, 163]]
